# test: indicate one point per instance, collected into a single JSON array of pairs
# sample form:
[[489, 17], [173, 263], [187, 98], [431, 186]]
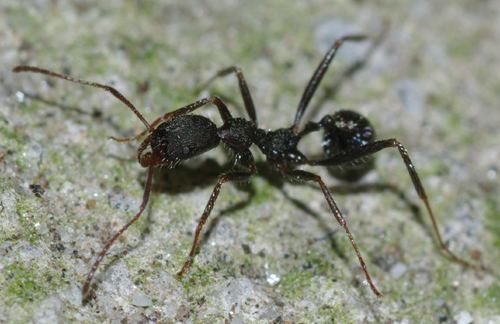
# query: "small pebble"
[[439, 302], [398, 270], [140, 299], [182, 312], [269, 313], [464, 317], [170, 309], [327, 31], [74, 295], [106, 302], [81, 268], [5, 247], [411, 95]]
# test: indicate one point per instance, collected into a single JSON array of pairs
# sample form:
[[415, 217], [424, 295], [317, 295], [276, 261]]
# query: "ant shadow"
[[345, 188], [185, 179], [96, 114]]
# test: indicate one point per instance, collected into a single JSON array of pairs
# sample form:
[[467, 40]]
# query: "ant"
[[178, 135]]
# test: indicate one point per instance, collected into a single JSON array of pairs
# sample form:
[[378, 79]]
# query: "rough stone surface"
[[432, 82]]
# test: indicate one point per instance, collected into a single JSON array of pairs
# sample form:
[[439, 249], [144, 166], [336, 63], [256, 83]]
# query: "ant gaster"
[[177, 136]]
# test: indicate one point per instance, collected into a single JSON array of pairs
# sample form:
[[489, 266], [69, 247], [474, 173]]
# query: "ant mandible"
[[177, 136]]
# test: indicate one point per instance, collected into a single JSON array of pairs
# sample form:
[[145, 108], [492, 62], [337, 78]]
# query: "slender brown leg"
[[374, 147], [307, 176], [245, 92], [421, 193], [223, 110], [228, 177], [145, 199]]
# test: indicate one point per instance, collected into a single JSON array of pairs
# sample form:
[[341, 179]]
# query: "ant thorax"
[[279, 146], [237, 134]]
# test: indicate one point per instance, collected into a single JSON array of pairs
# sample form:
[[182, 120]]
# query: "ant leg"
[[145, 199], [245, 92], [113, 91], [318, 75], [223, 110], [228, 177], [300, 175], [374, 147]]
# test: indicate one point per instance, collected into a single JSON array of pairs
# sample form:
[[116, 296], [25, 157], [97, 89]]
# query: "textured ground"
[[432, 82]]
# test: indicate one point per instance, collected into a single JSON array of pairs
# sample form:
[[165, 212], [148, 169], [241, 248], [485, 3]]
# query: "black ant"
[[177, 136]]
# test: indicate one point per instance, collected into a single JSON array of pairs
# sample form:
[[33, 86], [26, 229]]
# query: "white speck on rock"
[[272, 278], [398, 270], [141, 299], [464, 317]]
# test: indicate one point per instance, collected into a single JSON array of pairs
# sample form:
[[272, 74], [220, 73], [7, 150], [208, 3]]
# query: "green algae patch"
[[24, 285]]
